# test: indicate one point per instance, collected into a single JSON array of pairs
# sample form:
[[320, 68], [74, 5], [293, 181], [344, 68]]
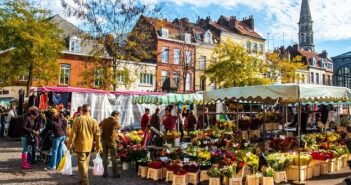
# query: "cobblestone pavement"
[[11, 173]]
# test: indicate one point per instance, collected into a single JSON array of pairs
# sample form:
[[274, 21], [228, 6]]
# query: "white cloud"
[[332, 18]]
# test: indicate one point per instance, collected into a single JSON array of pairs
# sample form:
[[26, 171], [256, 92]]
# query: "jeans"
[[57, 151], [24, 145]]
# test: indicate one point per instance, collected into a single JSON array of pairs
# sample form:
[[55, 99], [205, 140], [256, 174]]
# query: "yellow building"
[[222, 30]]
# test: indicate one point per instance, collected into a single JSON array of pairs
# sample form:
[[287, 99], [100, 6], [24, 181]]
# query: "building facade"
[[342, 70]]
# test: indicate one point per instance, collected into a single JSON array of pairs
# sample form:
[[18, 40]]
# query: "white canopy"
[[282, 93]]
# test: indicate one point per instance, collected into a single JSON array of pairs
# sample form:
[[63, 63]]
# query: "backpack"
[[15, 126]]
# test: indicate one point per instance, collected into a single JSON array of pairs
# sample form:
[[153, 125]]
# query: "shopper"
[[84, 132], [192, 121], [145, 119], [58, 126], [108, 127], [168, 121], [155, 122], [77, 113], [179, 124], [28, 134]]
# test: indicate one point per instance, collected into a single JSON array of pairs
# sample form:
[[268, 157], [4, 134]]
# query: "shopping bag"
[[98, 169], [62, 163], [67, 169]]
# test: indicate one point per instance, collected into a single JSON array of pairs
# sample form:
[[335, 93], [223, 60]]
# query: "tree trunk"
[[114, 75], [30, 79]]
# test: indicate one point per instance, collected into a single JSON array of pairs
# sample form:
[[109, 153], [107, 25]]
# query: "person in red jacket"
[[169, 121], [145, 119]]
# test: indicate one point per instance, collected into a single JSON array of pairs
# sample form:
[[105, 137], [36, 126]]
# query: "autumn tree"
[[284, 67], [35, 41], [235, 67], [110, 23]]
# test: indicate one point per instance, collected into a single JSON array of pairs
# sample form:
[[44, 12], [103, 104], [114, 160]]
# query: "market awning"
[[282, 93], [168, 99]]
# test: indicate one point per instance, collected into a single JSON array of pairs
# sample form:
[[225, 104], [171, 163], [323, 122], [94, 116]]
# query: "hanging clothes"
[[60, 98], [43, 104]]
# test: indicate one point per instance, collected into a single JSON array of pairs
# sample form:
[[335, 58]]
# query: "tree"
[[235, 67], [284, 67], [110, 24], [36, 42]]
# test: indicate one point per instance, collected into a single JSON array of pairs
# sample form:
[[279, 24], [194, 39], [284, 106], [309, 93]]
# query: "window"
[[202, 63], [188, 59], [202, 84], [303, 79], [312, 78], [164, 76], [261, 49], [176, 78], [197, 36], [248, 46], [255, 48], [146, 79], [98, 77], [312, 62], [120, 78], [165, 54], [187, 81], [213, 86], [323, 79], [343, 77], [208, 37], [65, 70], [74, 44], [317, 78], [187, 38], [176, 56], [164, 32], [23, 78], [322, 63]]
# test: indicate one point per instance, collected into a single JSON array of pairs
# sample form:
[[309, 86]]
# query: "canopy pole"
[[299, 138], [203, 115], [264, 127]]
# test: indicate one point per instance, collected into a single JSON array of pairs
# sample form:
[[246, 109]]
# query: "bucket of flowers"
[[230, 176], [215, 176], [279, 162], [268, 174]]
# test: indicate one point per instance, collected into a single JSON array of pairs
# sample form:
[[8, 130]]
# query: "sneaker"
[[49, 169]]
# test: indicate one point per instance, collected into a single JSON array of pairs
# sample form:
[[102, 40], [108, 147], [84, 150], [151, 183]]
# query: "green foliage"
[[36, 42], [288, 69], [235, 67]]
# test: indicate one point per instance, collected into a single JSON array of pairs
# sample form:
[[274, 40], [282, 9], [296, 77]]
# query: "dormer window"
[[164, 33], [208, 37], [322, 64], [187, 38], [312, 62], [197, 36], [74, 44]]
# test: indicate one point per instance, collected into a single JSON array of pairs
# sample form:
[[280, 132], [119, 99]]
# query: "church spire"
[[306, 27]]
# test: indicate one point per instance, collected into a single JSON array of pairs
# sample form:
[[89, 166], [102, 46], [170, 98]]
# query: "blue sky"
[[332, 18]]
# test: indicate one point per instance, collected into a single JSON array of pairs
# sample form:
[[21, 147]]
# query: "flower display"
[[204, 155], [135, 137], [279, 161], [305, 159], [214, 173], [229, 171], [268, 172], [171, 135], [252, 160]]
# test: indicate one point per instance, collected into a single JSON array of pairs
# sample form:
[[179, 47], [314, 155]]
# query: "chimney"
[[184, 19], [250, 22], [232, 22], [324, 54]]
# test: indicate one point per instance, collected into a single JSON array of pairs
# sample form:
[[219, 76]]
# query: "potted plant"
[[125, 157], [268, 174], [215, 176]]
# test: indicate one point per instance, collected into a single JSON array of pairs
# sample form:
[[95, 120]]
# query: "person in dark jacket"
[[155, 122], [192, 121], [28, 134], [180, 124], [58, 126]]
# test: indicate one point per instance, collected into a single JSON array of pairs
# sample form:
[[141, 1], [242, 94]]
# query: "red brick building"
[[175, 52]]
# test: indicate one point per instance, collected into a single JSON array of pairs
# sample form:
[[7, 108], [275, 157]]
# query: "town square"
[[175, 92]]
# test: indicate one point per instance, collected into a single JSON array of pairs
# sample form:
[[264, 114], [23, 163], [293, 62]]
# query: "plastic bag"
[[67, 167], [98, 169], [62, 163]]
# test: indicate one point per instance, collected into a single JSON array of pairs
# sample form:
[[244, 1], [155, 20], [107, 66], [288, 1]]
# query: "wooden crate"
[[344, 160], [324, 166], [193, 178], [254, 133], [180, 179], [169, 176], [203, 175], [309, 171], [252, 180], [331, 165], [154, 174], [316, 168], [293, 173], [214, 181], [268, 126], [267, 181], [235, 181], [280, 177], [142, 171], [164, 172], [338, 163], [341, 129]]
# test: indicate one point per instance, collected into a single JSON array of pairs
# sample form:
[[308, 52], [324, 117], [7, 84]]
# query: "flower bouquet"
[[279, 161], [305, 159], [229, 171], [205, 165], [252, 161], [191, 167], [268, 172], [156, 164], [214, 173], [134, 137], [204, 155], [143, 162]]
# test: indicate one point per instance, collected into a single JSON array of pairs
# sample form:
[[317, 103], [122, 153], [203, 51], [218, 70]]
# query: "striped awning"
[[168, 99]]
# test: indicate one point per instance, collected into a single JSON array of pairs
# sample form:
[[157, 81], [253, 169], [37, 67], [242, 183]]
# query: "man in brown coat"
[[84, 132], [109, 127]]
